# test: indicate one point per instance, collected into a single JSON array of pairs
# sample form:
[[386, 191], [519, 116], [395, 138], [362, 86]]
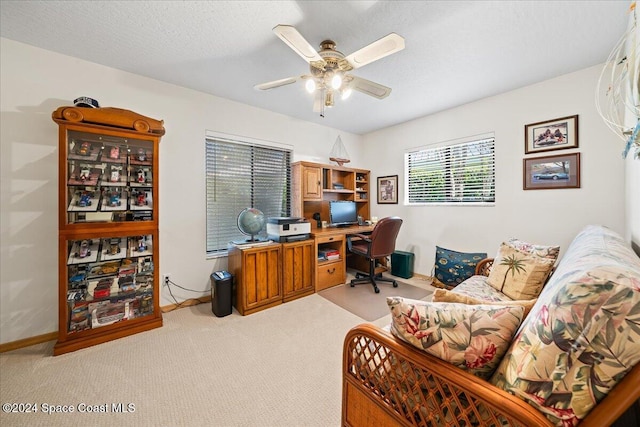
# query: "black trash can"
[[221, 293]]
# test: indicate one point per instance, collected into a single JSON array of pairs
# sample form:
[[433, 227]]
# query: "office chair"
[[379, 244]]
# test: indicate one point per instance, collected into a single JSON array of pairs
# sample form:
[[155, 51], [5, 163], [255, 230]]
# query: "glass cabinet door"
[[109, 178], [109, 279]]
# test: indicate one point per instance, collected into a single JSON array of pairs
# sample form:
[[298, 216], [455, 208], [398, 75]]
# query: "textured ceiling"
[[456, 51]]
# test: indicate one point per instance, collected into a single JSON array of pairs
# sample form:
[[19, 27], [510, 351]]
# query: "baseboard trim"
[[51, 336], [26, 342], [186, 303]]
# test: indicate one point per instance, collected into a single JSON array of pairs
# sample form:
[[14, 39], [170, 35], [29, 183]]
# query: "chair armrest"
[[359, 236], [362, 236], [483, 268], [387, 381]]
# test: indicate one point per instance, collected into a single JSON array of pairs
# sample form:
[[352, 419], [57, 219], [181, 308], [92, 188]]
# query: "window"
[[243, 174], [452, 174]]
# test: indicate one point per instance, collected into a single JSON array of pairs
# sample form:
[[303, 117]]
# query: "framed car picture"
[[557, 134], [388, 189], [552, 172]]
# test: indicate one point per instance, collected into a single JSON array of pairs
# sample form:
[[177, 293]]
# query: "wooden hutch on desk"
[[314, 186]]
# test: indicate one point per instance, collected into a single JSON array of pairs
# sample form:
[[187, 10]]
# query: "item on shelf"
[[102, 290], [84, 249], [113, 246], [114, 152], [84, 199], [115, 173], [84, 148], [142, 176], [141, 198], [328, 254], [109, 314], [114, 198], [339, 153], [141, 154], [104, 269], [126, 283]]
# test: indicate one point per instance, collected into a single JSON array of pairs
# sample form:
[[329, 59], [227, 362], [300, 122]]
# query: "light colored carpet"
[[277, 367], [362, 301]]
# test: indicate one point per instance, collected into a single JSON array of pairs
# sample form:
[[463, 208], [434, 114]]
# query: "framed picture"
[[557, 134], [552, 172], [388, 189]]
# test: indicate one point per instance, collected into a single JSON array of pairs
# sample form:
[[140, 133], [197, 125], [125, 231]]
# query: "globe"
[[251, 221]]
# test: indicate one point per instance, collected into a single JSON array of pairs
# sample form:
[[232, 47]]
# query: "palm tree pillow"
[[519, 274]]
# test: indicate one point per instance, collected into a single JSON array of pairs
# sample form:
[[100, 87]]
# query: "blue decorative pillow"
[[452, 268]]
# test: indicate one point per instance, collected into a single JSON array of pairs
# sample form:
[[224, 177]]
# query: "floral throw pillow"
[[471, 337], [452, 268], [517, 274], [443, 295], [542, 251]]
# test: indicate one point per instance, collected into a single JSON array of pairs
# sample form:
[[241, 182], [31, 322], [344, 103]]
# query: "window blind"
[[243, 175], [457, 173]]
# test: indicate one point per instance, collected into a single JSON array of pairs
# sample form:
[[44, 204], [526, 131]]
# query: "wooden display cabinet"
[[258, 277], [298, 261], [108, 286]]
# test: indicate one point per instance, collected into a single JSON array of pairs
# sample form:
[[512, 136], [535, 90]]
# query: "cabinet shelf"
[[108, 286], [337, 191]]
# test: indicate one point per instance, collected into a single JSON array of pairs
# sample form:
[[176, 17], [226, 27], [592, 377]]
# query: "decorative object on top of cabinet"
[[339, 153], [109, 116], [108, 287]]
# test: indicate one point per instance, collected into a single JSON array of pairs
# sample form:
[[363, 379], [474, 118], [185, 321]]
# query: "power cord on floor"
[[185, 303]]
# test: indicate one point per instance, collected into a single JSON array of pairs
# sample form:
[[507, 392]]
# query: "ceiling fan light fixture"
[[328, 99], [346, 93], [336, 81], [310, 85]]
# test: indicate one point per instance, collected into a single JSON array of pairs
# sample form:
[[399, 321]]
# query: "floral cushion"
[[443, 295], [471, 337], [477, 287], [452, 268], [582, 336], [549, 252], [518, 274]]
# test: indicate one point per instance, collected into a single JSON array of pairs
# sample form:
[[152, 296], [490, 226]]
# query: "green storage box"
[[402, 264]]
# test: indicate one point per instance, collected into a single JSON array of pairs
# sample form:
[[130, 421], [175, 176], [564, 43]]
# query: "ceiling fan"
[[329, 68]]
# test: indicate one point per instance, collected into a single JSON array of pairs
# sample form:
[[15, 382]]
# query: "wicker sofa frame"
[[387, 382]]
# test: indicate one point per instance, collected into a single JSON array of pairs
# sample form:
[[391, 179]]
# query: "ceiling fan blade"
[[299, 44], [276, 83], [387, 45], [370, 88]]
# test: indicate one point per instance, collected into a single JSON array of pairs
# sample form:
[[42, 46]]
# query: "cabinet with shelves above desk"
[[316, 184]]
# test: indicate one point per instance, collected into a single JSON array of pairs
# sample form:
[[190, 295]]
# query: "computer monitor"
[[343, 213]]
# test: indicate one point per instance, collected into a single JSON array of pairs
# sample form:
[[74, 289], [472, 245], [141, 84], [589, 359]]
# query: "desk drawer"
[[329, 239], [330, 274]]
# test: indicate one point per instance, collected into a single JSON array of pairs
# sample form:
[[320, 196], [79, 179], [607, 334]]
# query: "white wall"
[[540, 216], [34, 82]]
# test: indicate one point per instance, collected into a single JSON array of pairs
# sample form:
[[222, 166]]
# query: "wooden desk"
[[333, 272]]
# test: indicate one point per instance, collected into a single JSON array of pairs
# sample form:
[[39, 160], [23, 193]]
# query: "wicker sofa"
[[573, 360]]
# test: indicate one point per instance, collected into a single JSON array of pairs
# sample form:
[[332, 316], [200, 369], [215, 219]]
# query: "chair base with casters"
[[379, 244], [372, 278]]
